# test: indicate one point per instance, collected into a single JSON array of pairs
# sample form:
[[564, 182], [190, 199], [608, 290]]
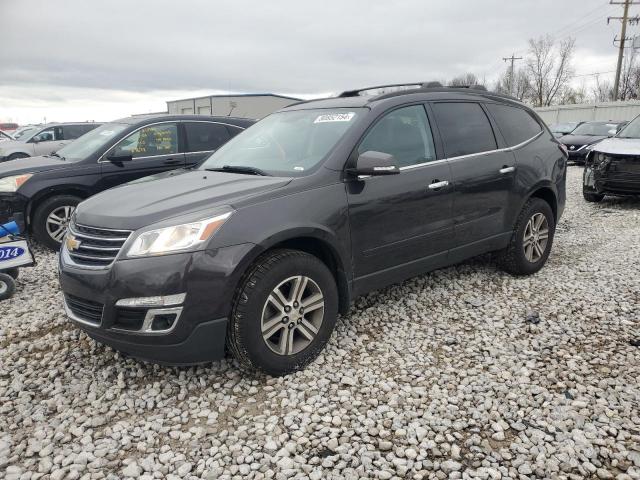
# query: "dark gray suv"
[[258, 249]]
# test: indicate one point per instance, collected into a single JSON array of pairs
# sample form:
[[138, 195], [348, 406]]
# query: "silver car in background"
[[44, 140]]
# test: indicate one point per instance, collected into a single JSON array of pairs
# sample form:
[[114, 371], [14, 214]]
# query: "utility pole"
[[625, 19], [512, 58]]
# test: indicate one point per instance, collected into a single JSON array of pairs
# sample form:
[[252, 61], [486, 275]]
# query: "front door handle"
[[504, 170], [172, 161], [437, 184]]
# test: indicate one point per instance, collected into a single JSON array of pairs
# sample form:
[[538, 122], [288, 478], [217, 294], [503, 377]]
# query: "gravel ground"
[[465, 372]]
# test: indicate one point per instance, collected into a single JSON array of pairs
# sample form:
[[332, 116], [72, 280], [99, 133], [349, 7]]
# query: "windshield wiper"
[[54, 154], [239, 169]]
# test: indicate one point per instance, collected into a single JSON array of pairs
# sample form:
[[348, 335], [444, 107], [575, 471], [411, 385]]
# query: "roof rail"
[[355, 93], [415, 85]]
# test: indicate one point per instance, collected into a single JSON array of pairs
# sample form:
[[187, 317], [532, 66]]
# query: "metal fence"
[[593, 111]]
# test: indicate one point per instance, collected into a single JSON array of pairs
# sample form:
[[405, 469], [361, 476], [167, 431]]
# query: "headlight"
[[176, 238], [11, 184]]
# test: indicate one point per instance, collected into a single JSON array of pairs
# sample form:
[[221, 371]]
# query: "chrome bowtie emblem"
[[72, 243]]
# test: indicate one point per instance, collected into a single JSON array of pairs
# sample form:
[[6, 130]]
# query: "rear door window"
[[516, 124], [71, 132], [464, 128], [205, 136]]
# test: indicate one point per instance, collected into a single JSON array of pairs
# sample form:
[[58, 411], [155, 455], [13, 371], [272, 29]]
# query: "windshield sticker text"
[[335, 117]]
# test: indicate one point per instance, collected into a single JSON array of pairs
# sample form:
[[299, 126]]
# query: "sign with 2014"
[[15, 254]]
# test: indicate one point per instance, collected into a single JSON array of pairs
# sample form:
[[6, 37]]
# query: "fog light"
[[163, 321], [157, 301]]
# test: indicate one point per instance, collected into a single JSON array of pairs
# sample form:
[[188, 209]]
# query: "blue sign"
[[10, 253]]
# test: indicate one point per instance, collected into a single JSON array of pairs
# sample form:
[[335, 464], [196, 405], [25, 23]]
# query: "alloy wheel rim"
[[3, 287], [292, 315], [536, 237], [58, 221]]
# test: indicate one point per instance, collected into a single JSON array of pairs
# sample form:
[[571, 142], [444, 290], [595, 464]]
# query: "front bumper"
[[616, 176], [198, 332], [10, 204]]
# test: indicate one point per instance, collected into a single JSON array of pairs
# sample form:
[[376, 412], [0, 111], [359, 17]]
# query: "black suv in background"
[[586, 135], [260, 247], [47, 189]]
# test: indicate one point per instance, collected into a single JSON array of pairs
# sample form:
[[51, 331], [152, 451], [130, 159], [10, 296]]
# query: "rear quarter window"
[[205, 136], [515, 124]]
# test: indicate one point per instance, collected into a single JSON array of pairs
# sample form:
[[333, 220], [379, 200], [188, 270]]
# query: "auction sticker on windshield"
[[335, 117]]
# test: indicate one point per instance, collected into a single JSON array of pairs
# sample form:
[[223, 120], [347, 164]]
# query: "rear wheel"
[[284, 312], [7, 286], [52, 217], [531, 240]]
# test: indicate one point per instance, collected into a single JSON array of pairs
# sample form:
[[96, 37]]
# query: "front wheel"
[[531, 241], [284, 312], [7, 286], [51, 219]]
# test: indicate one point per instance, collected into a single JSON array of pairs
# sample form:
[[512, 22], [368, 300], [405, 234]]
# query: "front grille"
[[86, 310], [95, 247]]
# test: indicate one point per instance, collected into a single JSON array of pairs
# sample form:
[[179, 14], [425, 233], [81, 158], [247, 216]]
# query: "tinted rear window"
[[71, 132], [464, 128], [516, 124], [204, 136]]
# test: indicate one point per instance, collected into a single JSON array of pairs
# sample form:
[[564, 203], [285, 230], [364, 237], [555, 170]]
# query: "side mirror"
[[375, 163], [612, 132], [119, 156]]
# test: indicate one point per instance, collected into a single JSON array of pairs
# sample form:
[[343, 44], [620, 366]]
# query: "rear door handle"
[[437, 185], [505, 170]]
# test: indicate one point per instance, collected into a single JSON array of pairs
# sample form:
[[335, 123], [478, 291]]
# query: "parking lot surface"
[[464, 372]]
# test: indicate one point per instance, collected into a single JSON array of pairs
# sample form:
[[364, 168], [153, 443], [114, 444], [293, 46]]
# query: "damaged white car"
[[612, 166]]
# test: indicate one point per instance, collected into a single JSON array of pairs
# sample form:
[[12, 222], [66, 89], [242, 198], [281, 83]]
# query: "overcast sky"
[[98, 60]]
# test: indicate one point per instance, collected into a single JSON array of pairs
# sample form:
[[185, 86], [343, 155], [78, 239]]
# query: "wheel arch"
[[547, 192], [37, 200], [315, 242]]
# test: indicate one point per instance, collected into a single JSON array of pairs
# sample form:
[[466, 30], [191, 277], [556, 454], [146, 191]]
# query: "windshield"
[[563, 127], [289, 143], [599, 129], [631, 130], [90, 142], [23, 133]]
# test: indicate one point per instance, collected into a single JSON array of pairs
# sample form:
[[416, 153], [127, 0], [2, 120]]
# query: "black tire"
[[39, 222], [592, 197], [244, 334], [15, 156], [12, 272], [513, 259], [7, 286]]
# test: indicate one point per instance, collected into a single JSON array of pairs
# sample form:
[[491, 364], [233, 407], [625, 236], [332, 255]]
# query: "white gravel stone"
[[439, 377]]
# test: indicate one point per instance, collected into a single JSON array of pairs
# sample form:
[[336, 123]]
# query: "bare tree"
[[521, 84], [602, 91], [629, 77], [464, 80], [548, 68]]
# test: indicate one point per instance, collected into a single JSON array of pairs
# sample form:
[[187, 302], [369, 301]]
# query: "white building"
[[248, 105]]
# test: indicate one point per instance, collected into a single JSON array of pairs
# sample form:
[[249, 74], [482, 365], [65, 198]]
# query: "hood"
[[619, 146], [30, 165], [162, 197], [581, 139]]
